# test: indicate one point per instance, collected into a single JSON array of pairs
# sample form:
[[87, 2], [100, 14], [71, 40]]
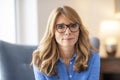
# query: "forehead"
[[63, 19]]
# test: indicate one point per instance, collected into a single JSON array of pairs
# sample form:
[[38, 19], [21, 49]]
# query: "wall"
[[92, 12]]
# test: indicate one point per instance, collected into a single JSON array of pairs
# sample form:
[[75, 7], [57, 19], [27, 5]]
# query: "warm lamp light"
[[111, 41], [110, 34]]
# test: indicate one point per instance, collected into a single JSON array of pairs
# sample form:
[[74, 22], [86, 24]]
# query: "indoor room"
[[23, 25]]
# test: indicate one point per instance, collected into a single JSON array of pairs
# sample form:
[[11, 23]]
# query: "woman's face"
[[64, 35]]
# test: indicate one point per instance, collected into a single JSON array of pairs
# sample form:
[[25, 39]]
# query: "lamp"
[[109, 31]]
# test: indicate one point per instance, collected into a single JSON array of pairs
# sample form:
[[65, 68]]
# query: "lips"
[[67, 38]]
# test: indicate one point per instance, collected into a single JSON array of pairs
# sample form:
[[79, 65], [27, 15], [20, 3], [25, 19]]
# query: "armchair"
[[15, 60], [95, 42]]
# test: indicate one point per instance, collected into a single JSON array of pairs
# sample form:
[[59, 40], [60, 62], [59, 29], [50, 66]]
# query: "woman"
[[65, 52]]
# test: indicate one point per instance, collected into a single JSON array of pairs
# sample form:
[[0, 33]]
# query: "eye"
[[60, 26], [73, 25]]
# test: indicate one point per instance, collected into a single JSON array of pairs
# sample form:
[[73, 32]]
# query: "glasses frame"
[[68, 26]]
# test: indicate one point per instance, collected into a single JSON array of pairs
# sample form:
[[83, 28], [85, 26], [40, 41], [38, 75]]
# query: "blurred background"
[[24, 21]]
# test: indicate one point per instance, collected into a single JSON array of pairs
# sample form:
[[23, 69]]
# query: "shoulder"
[[94, 54], [94, 58], [94, 66]]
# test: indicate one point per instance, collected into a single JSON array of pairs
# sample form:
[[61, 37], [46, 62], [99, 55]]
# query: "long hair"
[[47, 54]]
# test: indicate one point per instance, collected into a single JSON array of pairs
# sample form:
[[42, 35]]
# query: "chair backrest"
[[95, 42], [15, 61]]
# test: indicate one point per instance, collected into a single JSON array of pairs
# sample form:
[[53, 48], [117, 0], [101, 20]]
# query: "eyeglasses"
[[61, 28]]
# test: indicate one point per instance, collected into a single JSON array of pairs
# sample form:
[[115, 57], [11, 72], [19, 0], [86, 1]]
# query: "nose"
[[67, 32]]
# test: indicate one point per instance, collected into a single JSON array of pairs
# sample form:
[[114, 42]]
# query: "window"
[[7, 20]]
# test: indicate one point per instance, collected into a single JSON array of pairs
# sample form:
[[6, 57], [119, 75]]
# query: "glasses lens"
[[61, 27], [74, 27]]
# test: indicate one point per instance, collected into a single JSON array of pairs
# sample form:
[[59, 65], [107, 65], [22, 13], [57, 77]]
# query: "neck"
[[66, 53]]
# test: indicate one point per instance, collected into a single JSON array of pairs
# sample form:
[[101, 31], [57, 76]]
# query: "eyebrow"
[[66, 24]]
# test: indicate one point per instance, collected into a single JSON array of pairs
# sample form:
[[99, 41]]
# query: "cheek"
[[77, 35], [57, 37]]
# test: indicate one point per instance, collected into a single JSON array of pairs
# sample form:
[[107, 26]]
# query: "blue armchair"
[[95, 42], [15, 60]]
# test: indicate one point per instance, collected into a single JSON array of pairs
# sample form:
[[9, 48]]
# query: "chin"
[[68, 45]]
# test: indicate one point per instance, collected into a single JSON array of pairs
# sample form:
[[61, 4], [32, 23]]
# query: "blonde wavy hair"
[[47, 54]]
